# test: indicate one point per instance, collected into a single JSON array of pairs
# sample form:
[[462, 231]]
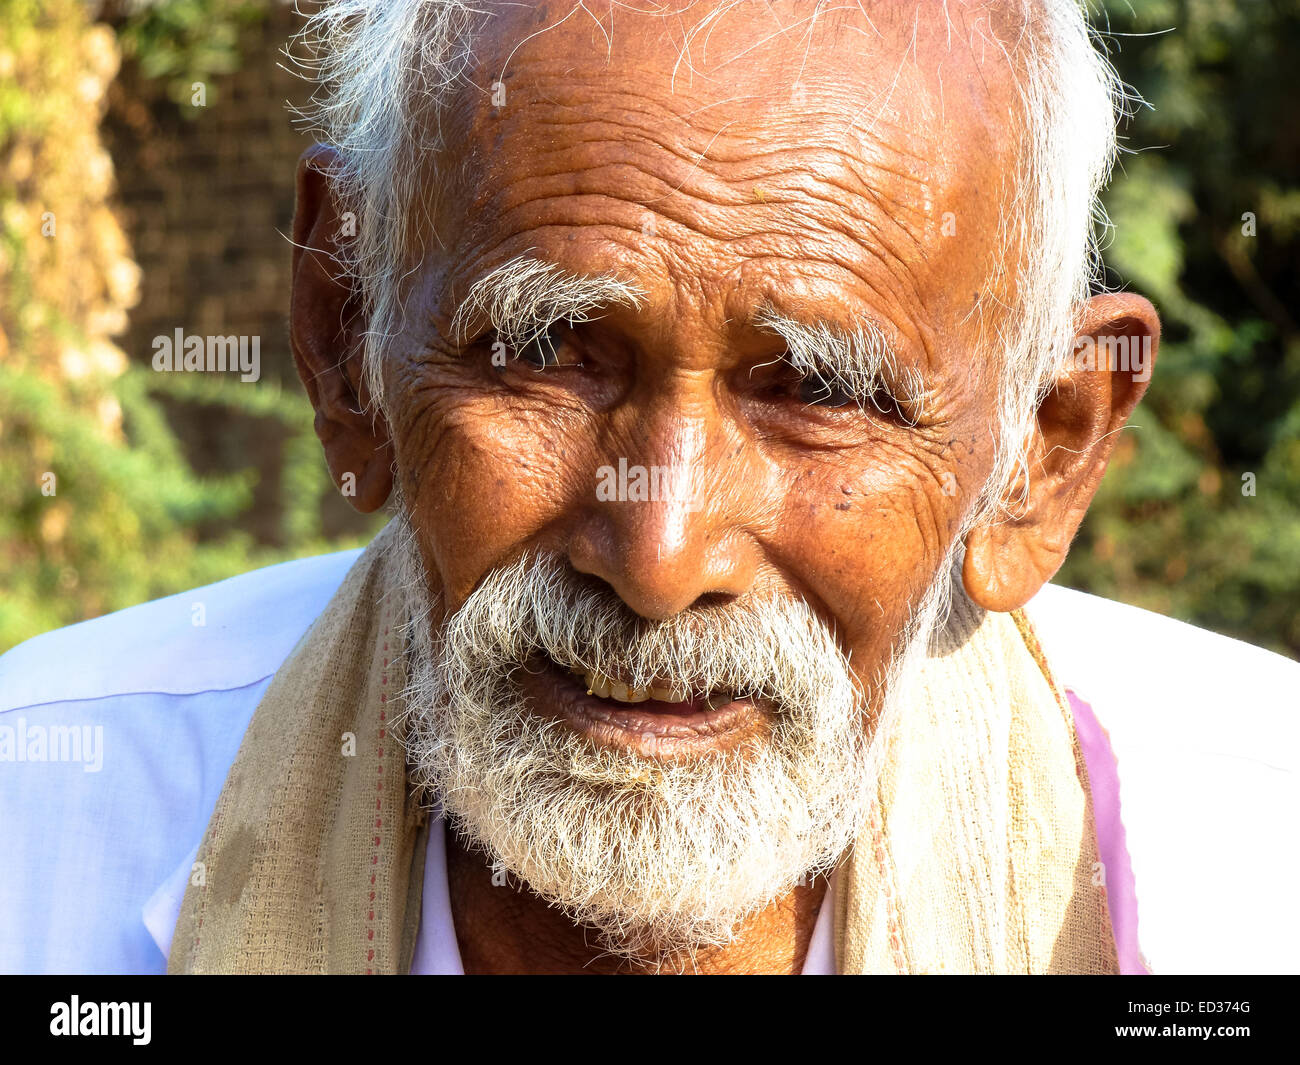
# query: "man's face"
[[672, 563], [655, 502], [833, 172]]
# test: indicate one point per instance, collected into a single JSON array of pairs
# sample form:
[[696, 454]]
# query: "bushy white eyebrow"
[[525, 297], [862, 362]]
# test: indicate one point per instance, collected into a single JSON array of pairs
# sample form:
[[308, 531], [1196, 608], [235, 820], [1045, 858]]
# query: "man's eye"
[[543, 350], [823, 392]]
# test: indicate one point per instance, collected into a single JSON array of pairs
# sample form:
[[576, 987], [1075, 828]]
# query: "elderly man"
[[734, 376]]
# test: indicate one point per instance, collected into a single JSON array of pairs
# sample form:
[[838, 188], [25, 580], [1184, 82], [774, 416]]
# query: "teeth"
[[608, 688]]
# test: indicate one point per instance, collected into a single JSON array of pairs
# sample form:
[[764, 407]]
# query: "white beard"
[[660, 858]]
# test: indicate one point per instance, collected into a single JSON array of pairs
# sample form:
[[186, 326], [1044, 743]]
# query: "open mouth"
[[668, 697], [664, 719]]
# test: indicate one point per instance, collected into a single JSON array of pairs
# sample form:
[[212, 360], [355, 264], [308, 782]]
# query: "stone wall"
[[206, 196]]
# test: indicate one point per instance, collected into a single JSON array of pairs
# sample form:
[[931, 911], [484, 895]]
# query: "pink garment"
[[1121, 895]]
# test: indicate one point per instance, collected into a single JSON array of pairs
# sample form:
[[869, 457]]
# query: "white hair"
[[1072, 101], [384, 69]]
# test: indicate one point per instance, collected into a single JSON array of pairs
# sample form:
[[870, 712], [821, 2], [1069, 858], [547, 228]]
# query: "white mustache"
[[768, 648]]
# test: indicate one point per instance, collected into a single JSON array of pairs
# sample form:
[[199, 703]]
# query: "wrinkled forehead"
[[893, 117], [931, 78], [884, 63]]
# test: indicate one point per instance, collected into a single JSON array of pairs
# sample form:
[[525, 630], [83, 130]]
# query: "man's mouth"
[[664, 719], [675, 698]]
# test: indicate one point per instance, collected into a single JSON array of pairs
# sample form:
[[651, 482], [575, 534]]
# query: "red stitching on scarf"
[[893, 922], [379, 805]]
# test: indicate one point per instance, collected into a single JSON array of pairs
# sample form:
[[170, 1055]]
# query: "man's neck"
[[508, 929]]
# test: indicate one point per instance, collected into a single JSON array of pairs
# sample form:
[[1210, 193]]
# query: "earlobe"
[[998, 571], [1011, 556], [325, 334]]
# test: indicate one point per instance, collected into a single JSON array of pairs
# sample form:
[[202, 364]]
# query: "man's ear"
[[325, 334], [1008, 560]]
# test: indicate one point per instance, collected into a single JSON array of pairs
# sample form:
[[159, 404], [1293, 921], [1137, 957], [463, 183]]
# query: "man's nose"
[[666, 526]]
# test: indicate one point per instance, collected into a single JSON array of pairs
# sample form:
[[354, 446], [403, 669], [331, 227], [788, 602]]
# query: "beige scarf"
[[314, 857]]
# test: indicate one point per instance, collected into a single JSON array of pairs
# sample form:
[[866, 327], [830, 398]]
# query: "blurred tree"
[[99, 507], [183, 42], [1199, 516]]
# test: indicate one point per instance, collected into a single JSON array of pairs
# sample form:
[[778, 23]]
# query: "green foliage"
[[188, 41], [124, 522], [88, 525], [100, 508], [1172, 528]]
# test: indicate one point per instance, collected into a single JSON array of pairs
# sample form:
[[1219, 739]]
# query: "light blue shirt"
[[116, 736], [83, 847]]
